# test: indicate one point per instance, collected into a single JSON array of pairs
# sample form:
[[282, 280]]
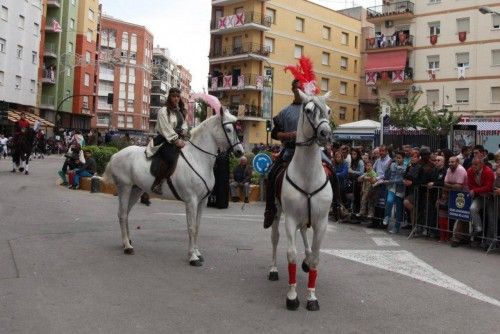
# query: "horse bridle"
[[314, 138]]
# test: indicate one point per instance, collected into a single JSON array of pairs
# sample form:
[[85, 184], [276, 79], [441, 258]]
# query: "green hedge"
[[102, 155]]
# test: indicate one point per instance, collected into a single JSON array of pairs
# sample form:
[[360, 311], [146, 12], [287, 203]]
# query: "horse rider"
[[20, 126], [285, 130], [172, 131]]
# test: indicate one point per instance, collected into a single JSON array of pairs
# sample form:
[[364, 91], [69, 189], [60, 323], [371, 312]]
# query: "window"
[[298, 51], [121, 104], [269, 44], [125, 40], [2, 77], [433, 62], [355, 89], [90, 33], [32, 86], [130, 122], [324, 84], [91, 15], [85, 102], [495, 57], [34, 57], [5, 13], [355, 66], [86, 80], [103, 120], [18, 82], [325, 58], [21, 22], [70, 47], [71, 24], [343, 63], [36, 28], [432, 97], [462, 95], [342, 112], [462, 59], [344, 38], [463, 24], [3, 42], [495, 93], [355, 42], [133, 42], [299, 24], [326, 32], [19, 52], [434, 28], [87, 57], [495, 19], [343, 88], [121, 121]]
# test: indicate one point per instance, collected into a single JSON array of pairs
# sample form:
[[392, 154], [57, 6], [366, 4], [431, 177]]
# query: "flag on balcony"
[[371, 78], [432, 74], [461, 72], [259, 82], [231, 21], [241, 82], [56, 26], [397, 76], [228, 80], [214, 83]]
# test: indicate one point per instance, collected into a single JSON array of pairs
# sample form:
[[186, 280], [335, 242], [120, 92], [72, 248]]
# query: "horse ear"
[[327, 95], [304, 97]]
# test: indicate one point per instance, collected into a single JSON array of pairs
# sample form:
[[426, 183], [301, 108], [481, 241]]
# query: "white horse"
[[192, 180], [306, 197]]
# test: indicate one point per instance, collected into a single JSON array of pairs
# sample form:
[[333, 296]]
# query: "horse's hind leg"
[[318, 233], [307, 249], [124, 193], [135, 194], [275, 237]]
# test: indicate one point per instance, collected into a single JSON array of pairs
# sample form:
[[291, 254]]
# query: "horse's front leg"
[[275, 237], [199, 213], [292, 301], [124, 193], [307, 249], [319, 231], [191, 214]]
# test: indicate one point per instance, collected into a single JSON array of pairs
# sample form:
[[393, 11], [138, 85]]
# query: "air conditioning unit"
[[389, 23]]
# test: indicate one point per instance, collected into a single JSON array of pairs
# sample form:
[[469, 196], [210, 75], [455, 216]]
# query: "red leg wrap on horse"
[[292, 273], [311, 284]]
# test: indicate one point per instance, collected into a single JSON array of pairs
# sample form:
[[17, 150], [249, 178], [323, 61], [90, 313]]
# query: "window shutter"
[[495, 94], [432, 97], [463, 58], [495, 55], [463, 24], [462, 95]]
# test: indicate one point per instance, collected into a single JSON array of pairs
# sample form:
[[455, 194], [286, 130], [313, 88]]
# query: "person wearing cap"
[[171, 131]]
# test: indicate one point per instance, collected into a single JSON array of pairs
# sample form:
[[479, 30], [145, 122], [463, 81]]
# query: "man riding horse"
[[21, 141]]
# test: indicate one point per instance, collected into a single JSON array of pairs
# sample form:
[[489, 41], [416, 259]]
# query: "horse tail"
[[107, 176]]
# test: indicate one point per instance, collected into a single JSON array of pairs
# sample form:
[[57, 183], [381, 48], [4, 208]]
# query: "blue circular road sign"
[[261, 163]]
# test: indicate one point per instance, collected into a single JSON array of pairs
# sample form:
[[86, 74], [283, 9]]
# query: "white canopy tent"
[[360, 131]]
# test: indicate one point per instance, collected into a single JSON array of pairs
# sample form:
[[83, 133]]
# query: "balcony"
[[401, 41], [49, 77], [54, 3], [402, 10], [228, 2], [50, 50], [237, 82], [239, 52], [240, 22], [389, 79], [52, 25], [47, 102], [156, 90], [247, 112]]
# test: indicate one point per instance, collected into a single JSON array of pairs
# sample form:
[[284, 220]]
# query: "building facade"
[[252, 41], [125, 62], [20, 23], [185, 79], [85, 70]]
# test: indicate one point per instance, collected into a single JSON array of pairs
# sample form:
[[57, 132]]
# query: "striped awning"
[[485, 128], [14, 116]]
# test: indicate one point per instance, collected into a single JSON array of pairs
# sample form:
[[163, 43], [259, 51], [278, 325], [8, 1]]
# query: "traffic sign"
[[261, 163]]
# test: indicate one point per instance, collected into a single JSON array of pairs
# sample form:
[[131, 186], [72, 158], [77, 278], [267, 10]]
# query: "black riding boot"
[[334, 181], [271, 210]]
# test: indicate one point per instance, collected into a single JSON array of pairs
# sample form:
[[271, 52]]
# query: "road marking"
[[372, 231], [385, 242], [405, 263]]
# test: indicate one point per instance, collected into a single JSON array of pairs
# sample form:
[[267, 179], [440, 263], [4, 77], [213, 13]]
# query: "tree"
[[438, 122], [404, 115]]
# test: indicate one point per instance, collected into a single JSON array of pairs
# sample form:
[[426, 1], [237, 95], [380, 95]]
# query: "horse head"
[[228, 139], [317, 113]]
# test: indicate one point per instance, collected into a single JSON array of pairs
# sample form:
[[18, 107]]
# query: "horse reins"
[[314, 138]]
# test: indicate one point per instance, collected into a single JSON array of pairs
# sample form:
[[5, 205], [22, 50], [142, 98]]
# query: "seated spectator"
[[74, 159], [396, 192], [368, 196], [240, 178], [88, 169]]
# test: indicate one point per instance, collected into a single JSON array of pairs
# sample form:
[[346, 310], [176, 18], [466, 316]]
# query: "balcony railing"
[[158, 90], [394, 41], [250, 81], [47, 101], [50, 50], [54, 3], [48, 76], [49, 25], [245, 110], [235, 21], [386, 10], [235, 50], [387, 76]]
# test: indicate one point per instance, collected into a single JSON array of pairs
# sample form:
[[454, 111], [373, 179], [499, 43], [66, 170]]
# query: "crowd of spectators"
[[408, 188]]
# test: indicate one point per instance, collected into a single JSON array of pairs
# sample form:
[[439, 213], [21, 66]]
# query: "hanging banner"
[[214, 83], [461, 72], [259, 82], [432, 74], [241, 82], [228, 80], [267, 98], [371, 78], [231, 21], [459, 205], [397, 76], [462, 35]]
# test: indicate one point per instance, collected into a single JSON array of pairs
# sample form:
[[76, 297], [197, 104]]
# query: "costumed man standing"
[[172, 130], [21, 127]]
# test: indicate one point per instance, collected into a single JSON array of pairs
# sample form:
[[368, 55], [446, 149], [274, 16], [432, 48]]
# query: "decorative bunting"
[[231, 21], [56, 26], [462, 35], [371, 78], [432, 74], [461, 72], [214, 83], [259, 82], [228, 80], [434, 39], [241, 82], [397, 76]]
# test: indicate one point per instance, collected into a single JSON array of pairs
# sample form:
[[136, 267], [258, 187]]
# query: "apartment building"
[[185, 79], [252, 41], [447, 49], [19, 52], [85, 70], [126, 55]]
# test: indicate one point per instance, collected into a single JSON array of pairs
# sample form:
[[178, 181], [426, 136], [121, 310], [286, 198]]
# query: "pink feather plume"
[[211, 100]]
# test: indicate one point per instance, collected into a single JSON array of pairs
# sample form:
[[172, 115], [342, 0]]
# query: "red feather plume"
[[303, 72]]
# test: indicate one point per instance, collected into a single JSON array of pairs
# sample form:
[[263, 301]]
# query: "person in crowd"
[[381, 166], [407, 155], [410, 182], [74, 158], [375, 154], [3, 146], [464, 154], [480, 178], [255, 149], [425, 175], [346, 154], [341, 169], [88, 169], [435, 193], [78, 138], [240, 179], [356, 169], [396, 192], [491, 160], [366, 157], [368, 196]]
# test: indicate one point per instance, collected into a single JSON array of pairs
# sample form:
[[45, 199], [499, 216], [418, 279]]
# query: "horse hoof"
[[273, 276], [201, 258], [13, 171], [129, 251], [21, 169], [312, 305], [26, 173], [292, 305], [196, 263], [305, 267]]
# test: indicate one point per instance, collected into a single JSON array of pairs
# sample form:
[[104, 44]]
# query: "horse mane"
[[200, 128]]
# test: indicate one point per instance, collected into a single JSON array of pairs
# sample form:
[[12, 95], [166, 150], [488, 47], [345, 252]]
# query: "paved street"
[[62, 270]]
